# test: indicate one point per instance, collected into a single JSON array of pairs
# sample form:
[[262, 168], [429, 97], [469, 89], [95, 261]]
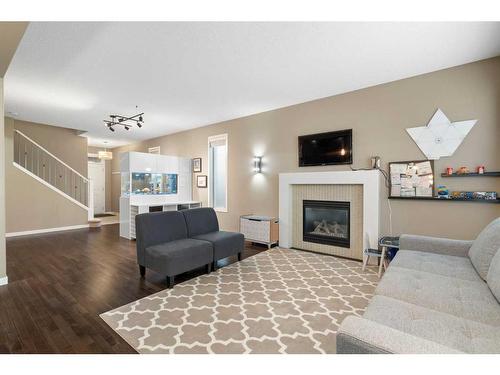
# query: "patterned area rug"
[[279, 301]]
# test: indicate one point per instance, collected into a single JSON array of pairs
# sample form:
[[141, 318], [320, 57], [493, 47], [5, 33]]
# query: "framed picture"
[[411, 179], [197, 165], [201, 181]]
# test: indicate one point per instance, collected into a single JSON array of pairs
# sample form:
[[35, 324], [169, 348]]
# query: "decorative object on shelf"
[[484, 174], [154, 150], [105, 155], [480, 169], [260, 229], [411, 178], [450, 199], [474, 195], [201, 181], [126, 121], [257, 164], [443, 192], [463, 170], [197, 165], [440, 137], [375, 162], [449, 171]]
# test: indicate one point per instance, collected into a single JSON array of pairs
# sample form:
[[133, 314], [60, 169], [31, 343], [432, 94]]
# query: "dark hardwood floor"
[[59, 284]]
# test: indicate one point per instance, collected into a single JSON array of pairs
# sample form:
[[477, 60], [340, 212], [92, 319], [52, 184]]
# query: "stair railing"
[[44, 166]]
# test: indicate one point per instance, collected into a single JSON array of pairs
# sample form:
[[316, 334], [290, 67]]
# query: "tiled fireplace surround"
[[361, 188]]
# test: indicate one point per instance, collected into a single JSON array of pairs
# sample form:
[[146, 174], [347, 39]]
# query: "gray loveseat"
[[437, 296], [174, 242]]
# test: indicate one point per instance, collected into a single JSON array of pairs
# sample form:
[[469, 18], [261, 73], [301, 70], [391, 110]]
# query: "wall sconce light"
[[257, 164]]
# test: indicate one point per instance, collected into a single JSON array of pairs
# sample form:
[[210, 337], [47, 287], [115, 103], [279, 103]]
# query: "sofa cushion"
[[467, 299], [225, 243], [175, 257], [200, 221], [493, 277], [454, 332], [444, 265], [485, 247]]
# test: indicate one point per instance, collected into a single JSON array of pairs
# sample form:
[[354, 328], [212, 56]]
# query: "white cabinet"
[[260, 229], [142, 162], [132, 204], [167, 164]]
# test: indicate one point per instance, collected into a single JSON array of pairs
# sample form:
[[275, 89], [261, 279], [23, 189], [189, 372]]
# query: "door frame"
[[103, 164]]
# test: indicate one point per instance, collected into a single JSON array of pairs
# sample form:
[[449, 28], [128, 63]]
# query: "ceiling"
[[187, 75]]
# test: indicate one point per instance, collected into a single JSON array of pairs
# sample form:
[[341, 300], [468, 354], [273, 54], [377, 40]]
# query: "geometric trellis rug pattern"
[[278, 301]]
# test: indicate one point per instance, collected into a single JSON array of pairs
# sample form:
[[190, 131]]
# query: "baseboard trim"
[[48, 230], [4, 280]]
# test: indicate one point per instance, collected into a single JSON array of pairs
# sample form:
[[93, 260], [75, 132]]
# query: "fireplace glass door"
[[326, 222]]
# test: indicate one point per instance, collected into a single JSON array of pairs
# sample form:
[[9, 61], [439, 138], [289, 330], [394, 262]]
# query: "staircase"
[[48, 169]]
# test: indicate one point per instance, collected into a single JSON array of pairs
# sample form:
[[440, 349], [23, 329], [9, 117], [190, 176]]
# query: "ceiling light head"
[[140, 118], [111, 128], [139, 125], [127, 128]]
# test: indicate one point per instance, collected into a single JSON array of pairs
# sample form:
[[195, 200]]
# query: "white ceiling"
[[186, 75]]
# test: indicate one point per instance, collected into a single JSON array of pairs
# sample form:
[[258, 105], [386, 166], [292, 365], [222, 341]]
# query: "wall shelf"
[[493, 201], [485, 174]]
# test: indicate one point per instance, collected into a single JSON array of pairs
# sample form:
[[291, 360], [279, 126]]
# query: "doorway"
[[97, 174]]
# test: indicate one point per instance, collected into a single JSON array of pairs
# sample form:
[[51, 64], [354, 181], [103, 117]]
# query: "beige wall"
[[3, 265], [378, 116], [10, 36], [31, 205], [107, 183]]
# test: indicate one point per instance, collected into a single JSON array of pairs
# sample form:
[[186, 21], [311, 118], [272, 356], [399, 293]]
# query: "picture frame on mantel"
[[201, 181], [197, 165]]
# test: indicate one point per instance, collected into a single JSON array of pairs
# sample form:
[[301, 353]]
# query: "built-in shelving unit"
[[485, 174], [494, 201]]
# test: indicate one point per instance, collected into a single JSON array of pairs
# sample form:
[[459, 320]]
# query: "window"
[[217, 172]]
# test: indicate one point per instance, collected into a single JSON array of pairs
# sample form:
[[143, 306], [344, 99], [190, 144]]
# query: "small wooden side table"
[[386, 243]]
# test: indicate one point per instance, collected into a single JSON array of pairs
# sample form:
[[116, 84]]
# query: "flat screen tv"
[[326, 148]]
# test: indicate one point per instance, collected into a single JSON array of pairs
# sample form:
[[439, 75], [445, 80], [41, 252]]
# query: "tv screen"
[[326, 148]]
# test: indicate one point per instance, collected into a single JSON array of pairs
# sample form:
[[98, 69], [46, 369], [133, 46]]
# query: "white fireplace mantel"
[[369, 179]]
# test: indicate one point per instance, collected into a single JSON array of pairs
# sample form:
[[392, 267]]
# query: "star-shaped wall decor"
[[440, 137]]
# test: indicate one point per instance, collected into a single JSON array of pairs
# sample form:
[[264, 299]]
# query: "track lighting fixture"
[[126, 121]]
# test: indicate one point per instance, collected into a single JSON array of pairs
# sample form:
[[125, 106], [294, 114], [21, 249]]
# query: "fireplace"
[[326, 222]]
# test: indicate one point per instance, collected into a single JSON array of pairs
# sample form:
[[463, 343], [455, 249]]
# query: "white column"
[[3, 261]]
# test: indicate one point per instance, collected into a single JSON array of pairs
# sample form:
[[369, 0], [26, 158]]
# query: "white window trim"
[[211, 139]]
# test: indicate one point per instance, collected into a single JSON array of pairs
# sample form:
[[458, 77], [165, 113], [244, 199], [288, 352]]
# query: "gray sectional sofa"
[[437, 296], [174, 242]]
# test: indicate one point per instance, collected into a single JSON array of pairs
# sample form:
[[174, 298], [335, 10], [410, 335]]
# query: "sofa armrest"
[[362, 336], [435, 245]]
